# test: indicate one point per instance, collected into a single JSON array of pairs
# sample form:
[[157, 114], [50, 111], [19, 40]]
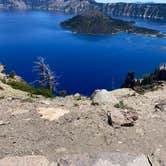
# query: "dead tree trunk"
[[47, 78]]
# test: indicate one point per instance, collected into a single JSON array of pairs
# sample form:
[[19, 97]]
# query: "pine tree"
[[129, 81]]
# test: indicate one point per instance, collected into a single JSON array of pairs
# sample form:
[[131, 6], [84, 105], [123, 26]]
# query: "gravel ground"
[[81, 127]]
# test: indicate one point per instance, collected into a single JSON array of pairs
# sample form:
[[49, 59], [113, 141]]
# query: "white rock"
[[77, 95], [123, 93], [52, 113], [103, 97], [46, 102]]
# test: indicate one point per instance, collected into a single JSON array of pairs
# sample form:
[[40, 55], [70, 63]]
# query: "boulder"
[[103, 97], [117, 117]]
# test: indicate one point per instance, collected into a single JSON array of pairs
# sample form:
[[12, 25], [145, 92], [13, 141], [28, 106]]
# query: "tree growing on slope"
[[129, 81]]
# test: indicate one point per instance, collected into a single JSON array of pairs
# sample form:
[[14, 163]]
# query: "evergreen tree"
[[129, 81]]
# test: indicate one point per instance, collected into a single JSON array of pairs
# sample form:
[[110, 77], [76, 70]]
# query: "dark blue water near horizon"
[[82, 62]]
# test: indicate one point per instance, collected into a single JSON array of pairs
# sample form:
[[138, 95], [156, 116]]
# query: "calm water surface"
[[83, 62]]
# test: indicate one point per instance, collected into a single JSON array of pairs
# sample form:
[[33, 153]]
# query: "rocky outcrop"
[[104, 97], [118, 114]]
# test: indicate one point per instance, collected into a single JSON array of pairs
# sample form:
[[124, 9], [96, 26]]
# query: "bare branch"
[[47, 78]]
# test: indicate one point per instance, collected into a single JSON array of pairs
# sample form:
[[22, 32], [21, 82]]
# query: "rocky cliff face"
[[74, 6], [154, 11]]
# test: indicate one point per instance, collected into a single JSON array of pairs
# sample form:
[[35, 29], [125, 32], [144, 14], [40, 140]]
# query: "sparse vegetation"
[[129, 81], [63, 93], [148, 82], [120, 105], [123, 106], [30, 89], [12, 74]]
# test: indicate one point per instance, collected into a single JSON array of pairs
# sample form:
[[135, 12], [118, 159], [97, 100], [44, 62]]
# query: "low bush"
[[121, 105], [63, 93], [30, 89], [12, 74]]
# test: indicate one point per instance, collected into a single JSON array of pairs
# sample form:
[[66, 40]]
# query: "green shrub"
[[12, 74], [22, 86], [120, 105], [63, 93], [30, 89], [44, 92]]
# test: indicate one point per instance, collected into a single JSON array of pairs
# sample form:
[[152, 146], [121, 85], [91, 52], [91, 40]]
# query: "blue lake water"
[[82, 62]]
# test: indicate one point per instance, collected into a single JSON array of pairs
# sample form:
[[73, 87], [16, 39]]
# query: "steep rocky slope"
[[75, 6], [154, 11], [113, 127]]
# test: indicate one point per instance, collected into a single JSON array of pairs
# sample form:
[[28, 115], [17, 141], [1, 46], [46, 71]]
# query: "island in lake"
[[95, 22]]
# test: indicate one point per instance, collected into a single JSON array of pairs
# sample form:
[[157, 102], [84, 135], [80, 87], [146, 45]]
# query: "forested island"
[[95, 22]]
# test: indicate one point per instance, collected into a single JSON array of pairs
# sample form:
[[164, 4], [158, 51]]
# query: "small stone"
[[54, 164], [61, 150], [77, 96], [45, 102], [3, 123]]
